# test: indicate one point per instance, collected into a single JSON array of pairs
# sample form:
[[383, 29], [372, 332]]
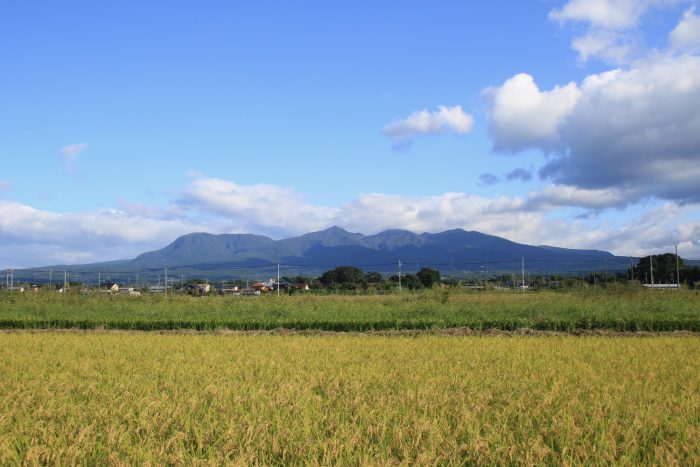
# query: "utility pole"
[[99, 281], [522, 264], [605, 262], [65, 280], [651, 270], [399, 275], [50, 277], [12, 278], [166, 281], [278, 279], [678, 271], [631, 269]]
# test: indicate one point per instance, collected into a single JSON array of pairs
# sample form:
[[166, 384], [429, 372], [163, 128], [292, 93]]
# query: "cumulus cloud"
[[636, 130], [257, 208], [521, 116], [686, 35], [658, 230], [33, 237], [402, 132], [535, 219], [69, 154]]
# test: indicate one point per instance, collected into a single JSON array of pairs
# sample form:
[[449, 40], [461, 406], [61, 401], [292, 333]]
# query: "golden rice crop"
[[111, 398]]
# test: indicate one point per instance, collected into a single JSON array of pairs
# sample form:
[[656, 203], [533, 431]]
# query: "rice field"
[[247, 398], [617, 308]]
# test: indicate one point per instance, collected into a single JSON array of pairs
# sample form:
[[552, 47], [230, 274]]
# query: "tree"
[[328, 278], [373, 277], [411, 282], [663, 266], [343, 275], [691, 276], [428, 277]]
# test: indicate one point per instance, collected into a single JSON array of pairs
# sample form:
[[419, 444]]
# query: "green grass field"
[[619, 309], [98, 398]]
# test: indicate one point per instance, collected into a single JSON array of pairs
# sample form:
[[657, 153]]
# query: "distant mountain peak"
[[337, 246], [335, 228]]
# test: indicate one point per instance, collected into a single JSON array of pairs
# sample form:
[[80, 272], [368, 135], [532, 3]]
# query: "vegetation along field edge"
[[621, 311]]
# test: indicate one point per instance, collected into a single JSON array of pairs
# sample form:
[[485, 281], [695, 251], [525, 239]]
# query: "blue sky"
[[126, 125]]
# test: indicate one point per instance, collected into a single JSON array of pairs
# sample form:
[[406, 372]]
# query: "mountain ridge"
[[336, 244], [204, 254]]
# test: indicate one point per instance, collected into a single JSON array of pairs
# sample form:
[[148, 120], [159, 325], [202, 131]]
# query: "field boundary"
[[458, 331]]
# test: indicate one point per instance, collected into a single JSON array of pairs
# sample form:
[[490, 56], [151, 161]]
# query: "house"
[[260, 287]]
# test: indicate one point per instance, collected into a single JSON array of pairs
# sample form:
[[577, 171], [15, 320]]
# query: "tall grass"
[[123, 398], [619, 309]]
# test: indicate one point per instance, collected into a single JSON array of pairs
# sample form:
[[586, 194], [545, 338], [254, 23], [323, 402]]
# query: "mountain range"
[[456, 251], [336, 246]]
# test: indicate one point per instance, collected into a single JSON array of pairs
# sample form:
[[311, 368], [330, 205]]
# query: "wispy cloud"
[[611, 26], [686, 35], [5, 185], [402, 132], [521, 174], [69, 154], [488, 179]]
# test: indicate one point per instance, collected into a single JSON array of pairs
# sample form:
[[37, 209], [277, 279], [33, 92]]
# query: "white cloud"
[[536, 219], [556, 196], [373, 213], [402, 132], [69, 154], [610, 26], [611, 46], [32, 237], [633, 130], [522, 116], [686, 35], [258, 208], [658, 230], [606, 14]]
